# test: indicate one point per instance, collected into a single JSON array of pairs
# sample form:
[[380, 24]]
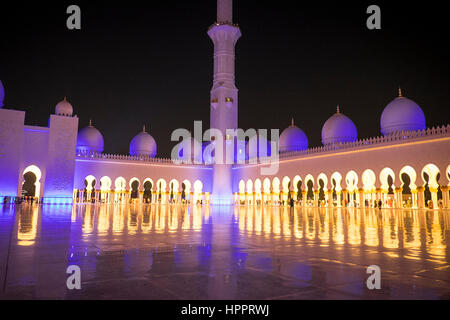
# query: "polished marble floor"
[[177, 252]]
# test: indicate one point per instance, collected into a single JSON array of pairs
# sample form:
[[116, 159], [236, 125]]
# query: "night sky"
[[136, 63]]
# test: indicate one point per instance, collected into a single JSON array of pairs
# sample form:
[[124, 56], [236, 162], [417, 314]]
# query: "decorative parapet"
[[118, 157], [397, 137]]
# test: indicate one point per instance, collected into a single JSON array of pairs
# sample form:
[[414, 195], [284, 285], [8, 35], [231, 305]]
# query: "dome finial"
[[292, 122], [143, 130], [400, 95], [90, 123], [338, 110], [65, 98]]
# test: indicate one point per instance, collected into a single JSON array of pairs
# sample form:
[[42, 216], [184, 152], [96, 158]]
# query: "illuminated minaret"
[[224, 94]]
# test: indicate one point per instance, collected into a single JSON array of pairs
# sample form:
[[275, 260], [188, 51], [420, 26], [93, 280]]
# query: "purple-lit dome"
[[90, 140], [402, 114], [2, 94], [190, 151], [293, 139], [339, 129], [64, 108], [143, 145], [262, 147]]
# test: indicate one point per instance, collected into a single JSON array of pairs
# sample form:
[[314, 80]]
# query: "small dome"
[[90, 140], [339, 128], [190, 151], [402, 114], [64, 108], [143, 145], [2, 94], [293, 139]]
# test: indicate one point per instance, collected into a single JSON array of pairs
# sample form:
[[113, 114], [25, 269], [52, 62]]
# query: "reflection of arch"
[[120, 184], [369, 179], [384, 178], [105, 183], [351, 179], [36, 183]]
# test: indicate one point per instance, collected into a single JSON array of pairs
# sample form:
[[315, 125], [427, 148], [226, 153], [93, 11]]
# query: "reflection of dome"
[[64, 108], [190, 150], [339, 128], [2, 94], [293, 139], [143, 145], [402, 114], [90, 140]]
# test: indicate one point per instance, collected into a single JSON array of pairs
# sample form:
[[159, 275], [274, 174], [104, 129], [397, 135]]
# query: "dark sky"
[[136, 63]]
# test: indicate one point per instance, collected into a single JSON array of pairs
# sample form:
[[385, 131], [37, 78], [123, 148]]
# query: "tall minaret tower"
[[224, 94]]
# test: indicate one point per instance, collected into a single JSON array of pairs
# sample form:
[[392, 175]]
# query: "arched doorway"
[[28, 186], [134, 186], [408, 178], [432, 192], [31, 186], [89, 189], [148, 187]]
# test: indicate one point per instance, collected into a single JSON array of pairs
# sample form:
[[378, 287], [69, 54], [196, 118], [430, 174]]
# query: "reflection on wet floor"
[[278, 245]]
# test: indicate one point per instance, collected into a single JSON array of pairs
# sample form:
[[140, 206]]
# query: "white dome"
[[293, 139], [339, 128], [143, 145], [190, 151], [2, 94], [90, 140], [64, 108], [402, 114]]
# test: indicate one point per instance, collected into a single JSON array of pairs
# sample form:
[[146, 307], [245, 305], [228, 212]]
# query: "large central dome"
[[90, 140], [293, 139], [143, 145], [339, 129], [402, 114]]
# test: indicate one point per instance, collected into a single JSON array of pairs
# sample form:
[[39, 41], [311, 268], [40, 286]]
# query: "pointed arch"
[[369, 179]]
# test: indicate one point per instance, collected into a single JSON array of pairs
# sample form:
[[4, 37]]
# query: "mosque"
[[407, 165]]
